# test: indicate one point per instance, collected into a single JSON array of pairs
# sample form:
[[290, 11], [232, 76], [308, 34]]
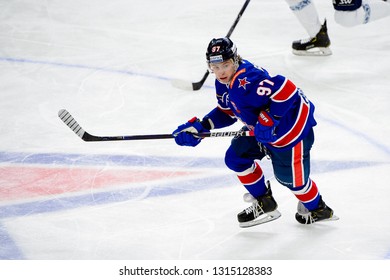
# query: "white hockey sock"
[[307, 15]]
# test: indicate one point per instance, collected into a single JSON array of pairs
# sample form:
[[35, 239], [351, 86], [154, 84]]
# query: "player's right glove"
[[184, 134], [265, 128]]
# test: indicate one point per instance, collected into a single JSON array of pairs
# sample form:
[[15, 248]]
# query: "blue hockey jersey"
[[253, 90]]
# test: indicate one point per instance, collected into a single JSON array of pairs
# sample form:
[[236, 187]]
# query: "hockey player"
[[347, 13], [355, 12], [281, 119]]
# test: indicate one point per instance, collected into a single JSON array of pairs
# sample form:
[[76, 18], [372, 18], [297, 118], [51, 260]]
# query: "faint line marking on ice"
[[81, 66], [109, 160], [387, 257], [88, 67], [23, 182], [50, 203], [359, 134], [8, 248]]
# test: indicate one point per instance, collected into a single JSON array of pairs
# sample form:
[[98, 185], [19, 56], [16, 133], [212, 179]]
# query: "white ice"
[[110, 64]]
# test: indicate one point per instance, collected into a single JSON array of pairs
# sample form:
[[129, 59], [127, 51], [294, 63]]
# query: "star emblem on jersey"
[[243, 83]]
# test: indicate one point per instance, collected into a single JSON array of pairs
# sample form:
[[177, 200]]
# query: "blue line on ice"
[[49, 204], [9, 250], [80, 66]]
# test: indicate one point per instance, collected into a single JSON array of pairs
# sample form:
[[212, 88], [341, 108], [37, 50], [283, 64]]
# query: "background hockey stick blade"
[[182, 84], [188, 85], [68, 119], [198, 85]]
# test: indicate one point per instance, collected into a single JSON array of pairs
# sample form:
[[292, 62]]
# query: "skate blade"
[[265, 218], [313, 52], [333, 218]]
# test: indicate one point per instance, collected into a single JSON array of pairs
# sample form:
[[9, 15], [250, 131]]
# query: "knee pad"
[[235, 162], [242, 152]]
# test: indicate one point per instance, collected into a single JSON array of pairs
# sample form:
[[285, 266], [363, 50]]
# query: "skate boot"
[[322, 213], [316, 46], [263, 210]]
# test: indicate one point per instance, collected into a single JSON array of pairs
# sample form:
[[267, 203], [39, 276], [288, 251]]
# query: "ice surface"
[[110, 64]]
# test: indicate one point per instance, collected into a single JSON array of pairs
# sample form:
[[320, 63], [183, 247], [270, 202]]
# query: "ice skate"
[[263, 209], [316, 46], [322, 213]]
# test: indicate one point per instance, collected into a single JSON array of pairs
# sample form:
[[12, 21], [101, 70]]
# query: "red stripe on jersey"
[[253, 177], [285, 92], [310, 194], [235, 77], [297, 128], [298, 171]]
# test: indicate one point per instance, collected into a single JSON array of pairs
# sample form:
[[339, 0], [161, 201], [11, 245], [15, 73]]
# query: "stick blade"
[[188, 85], [181, 84], [67, 118]]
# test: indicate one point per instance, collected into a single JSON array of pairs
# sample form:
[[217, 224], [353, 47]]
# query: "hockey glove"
[[184, 133], [265, 128]]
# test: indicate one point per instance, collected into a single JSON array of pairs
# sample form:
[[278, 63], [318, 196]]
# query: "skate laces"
[[305, 213], [255, 208], [308, 218]]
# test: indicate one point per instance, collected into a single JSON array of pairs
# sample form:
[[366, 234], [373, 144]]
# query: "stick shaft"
[[70, 121], [92, 138], [238, 18]]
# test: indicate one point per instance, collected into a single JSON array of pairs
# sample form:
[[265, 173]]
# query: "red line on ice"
[[20, 182]]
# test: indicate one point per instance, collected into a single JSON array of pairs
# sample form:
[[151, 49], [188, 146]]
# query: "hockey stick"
[[67, 118], [197, 85]]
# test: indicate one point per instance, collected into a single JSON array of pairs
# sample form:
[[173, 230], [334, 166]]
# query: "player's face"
[[224, 71]]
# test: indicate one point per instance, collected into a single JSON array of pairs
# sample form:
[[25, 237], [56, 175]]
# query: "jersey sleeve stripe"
[[285, 92], [297, 128]]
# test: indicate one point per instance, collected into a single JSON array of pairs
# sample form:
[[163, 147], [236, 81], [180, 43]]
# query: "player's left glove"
[[184, 134], [265, 128]]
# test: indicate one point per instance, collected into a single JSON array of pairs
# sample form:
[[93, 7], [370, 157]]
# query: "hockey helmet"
[[220, 50]]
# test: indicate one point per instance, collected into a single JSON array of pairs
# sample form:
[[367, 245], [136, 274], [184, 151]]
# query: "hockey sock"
[[253, 180], [307, 14], [308, 195]]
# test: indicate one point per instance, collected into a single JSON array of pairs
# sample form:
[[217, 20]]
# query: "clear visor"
[[223, 65]]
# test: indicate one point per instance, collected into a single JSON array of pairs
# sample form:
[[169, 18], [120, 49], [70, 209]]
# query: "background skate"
[[110, 64]]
